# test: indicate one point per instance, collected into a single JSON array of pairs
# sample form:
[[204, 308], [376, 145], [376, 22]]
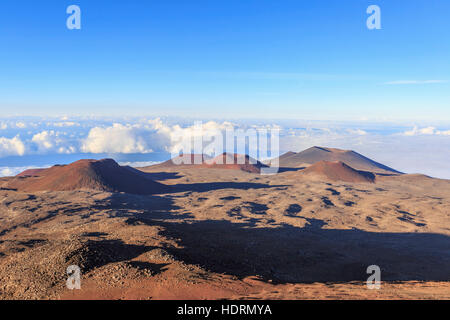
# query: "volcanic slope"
[[102, 175], [349, 157], [338, 171]]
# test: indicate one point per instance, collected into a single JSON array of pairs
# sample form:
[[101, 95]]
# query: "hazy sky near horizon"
[[35, 142], [251, 59]]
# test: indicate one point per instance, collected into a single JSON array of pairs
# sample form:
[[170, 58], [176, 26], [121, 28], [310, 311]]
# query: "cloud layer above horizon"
[[409, 148]]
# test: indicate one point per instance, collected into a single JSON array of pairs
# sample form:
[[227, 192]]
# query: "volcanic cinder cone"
[[349, 157], [103, 175], [338, 171]]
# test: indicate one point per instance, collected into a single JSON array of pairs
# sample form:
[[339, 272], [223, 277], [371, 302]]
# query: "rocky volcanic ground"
[[218, 233]]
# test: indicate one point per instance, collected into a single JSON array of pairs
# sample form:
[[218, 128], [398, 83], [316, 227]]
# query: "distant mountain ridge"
[[350, 158], [107, 175], [231, 161]]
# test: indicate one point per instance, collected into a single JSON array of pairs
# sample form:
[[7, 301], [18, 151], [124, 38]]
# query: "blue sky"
[[230, 59], [146, 69]]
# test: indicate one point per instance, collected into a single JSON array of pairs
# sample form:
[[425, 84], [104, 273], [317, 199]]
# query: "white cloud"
[[7, 172], [419, 149], [146, 137], [143, 136], [48, 141], [416, 131], [207, 130], [357, 132], [13, 171], [66, 124], [118, 138], [138, 164], [44, 140], [11, 147], [426, 131]]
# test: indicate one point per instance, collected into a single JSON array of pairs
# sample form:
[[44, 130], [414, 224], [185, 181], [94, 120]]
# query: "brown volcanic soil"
[[349, 157], [230, 234], [104, 175], [338, 171]]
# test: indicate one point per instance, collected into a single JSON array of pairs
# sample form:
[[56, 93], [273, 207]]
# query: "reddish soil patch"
[[30, 173], [339, 171]]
